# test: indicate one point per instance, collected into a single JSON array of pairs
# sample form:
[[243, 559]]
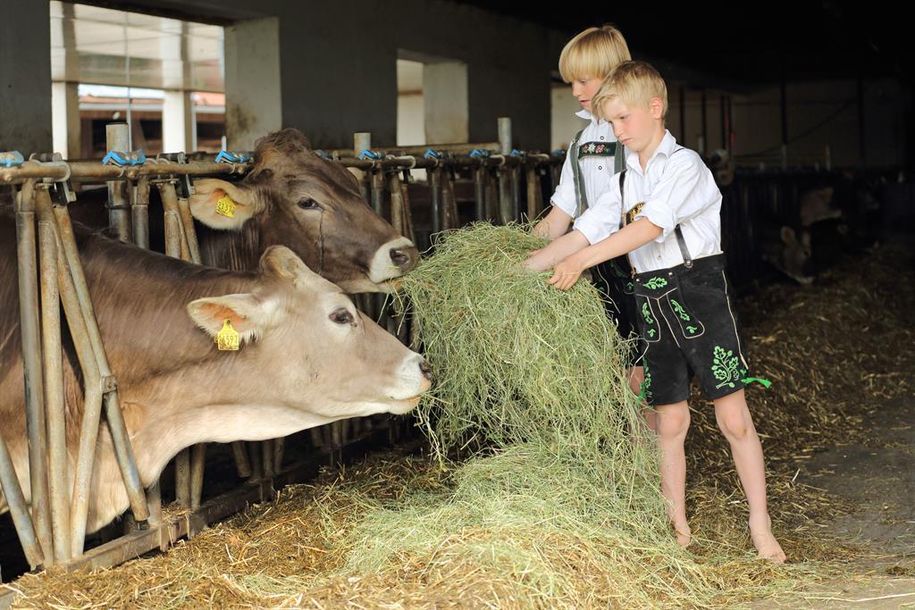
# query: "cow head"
[[314, 207], [317, 353]]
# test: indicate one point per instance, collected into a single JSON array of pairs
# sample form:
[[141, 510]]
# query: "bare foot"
[[766, 544], [684, 535]]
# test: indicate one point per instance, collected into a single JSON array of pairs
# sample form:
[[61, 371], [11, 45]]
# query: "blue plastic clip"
[[479, 153], [12, 158], [370, 155], [114, 157], [432, 154], [225, 156], [516, 153]]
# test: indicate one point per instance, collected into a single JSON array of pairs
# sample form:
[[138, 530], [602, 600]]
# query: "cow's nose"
[[426, 369], [400, 257]]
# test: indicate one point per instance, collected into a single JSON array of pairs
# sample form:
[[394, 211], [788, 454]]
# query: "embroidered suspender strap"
[[619, 158], [581, 197]]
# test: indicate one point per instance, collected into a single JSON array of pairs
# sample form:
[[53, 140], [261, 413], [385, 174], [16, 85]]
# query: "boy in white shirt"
[[592, 160], [669, 206]]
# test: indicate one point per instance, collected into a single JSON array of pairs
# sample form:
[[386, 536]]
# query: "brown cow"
[[308, 357], [291, 197]]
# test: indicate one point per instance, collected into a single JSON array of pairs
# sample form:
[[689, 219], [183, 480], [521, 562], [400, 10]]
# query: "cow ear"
[[281, 262], [247, 315], [222, 205], [788, 235]]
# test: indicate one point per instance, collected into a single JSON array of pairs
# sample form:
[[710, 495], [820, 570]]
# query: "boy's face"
[[584, 89], [635, 125]]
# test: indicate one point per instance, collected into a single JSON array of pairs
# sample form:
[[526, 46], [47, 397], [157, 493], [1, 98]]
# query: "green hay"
[[559, 501], [516, 360]]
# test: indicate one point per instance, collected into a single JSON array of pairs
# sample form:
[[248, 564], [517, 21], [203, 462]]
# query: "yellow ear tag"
[[227, 338], [225, 205]]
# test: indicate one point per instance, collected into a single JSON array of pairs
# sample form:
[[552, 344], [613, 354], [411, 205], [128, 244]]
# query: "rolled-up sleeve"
[[564, 196], [600, 220], [681, 194]]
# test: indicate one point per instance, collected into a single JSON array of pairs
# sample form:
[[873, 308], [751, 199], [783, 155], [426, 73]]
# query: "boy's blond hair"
[[633, 82], [593, 53]]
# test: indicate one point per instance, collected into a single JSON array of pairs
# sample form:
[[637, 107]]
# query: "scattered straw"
[[560, 500], [522, 526]]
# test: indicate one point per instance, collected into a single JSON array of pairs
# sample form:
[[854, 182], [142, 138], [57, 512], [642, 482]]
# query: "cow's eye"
[[308, 204], [341, 315]]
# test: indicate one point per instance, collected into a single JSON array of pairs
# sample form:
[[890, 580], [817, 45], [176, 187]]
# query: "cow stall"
[[49, 531]]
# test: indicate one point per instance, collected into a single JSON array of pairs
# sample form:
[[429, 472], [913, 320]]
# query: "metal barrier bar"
[[139, 212], [100, 387], [32, 366], [117, 138], [19, 510], [52, 354]]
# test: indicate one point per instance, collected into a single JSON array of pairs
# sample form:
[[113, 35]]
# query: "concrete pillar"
[[65, 119], [25, 76], [253, 93], [179, 127], [445, 100]]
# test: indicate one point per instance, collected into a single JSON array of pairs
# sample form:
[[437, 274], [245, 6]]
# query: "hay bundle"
[[516, 360]]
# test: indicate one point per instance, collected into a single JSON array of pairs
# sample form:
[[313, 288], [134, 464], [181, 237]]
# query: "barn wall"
[[336, 63], [25, 76]]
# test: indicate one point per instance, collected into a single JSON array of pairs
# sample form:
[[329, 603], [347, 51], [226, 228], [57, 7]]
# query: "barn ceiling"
[[748, 42]]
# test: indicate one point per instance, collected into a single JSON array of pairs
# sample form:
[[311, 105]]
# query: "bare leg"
[[672, 423], [636, 377], [735, 422]]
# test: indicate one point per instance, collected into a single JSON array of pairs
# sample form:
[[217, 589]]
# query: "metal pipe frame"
[[139, 212], [506, 201], [19, 509], [450, 219], [173, 240], [88, 171], [32, 366], [117, 138], [52, 352], [170, 205], [455, 149], [93, 171], [479, 192], [101, 387], [534, 196], [435, 185], [116, 427]]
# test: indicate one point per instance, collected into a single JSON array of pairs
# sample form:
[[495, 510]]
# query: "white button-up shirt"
[[676, 188], [595, 173]]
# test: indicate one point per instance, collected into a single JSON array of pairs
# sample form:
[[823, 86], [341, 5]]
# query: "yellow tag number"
[[227, 338], [225, 205]]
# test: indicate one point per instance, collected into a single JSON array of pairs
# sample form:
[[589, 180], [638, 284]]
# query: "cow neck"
[[141, 300], [237, 250]]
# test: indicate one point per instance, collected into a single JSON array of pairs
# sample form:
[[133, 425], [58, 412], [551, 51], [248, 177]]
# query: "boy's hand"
[[530, 263], [566, 273]]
